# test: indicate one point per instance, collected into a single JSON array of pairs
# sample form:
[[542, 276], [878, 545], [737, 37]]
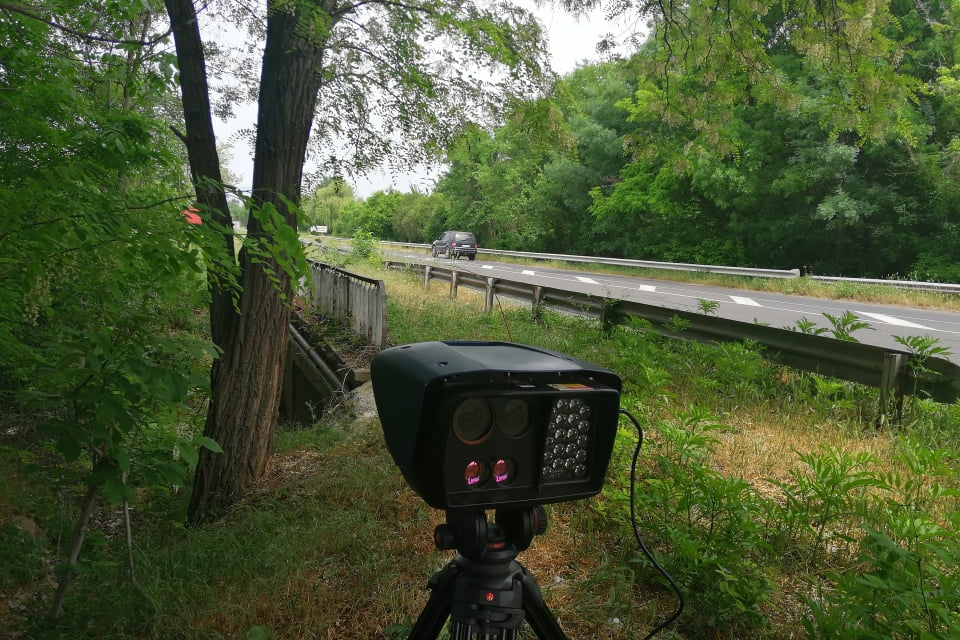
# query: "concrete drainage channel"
[[315, 376]]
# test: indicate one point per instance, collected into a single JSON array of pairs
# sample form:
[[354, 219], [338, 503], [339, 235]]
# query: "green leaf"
[[208, 443], [189, 453], [69, 447], [116, 491]]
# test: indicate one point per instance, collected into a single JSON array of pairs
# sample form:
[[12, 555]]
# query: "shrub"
[[901, 593], [702, 527]]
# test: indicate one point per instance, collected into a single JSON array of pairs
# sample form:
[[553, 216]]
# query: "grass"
[[333, 543]]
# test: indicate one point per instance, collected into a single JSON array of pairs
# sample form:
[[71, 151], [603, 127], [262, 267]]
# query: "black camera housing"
[[478, 425]]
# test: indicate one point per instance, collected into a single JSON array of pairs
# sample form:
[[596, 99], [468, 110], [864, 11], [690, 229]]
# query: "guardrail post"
[[890, 389], [426, 276], [454, 280], [488, 300], [537, 310]]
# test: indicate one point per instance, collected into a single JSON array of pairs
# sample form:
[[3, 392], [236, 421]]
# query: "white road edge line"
[[894, 321]]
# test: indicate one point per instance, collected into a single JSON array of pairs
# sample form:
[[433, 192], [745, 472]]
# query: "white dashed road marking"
[[750, 302], [894, 321], [527, 272], [486, 266], [647, 287], [587, 280]]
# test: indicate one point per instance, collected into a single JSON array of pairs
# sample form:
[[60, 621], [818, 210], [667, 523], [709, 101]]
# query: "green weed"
[[702, 526], [822, 504], [707, 307], [845, 324], [899, 593]]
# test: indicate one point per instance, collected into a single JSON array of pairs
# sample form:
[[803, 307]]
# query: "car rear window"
[[464, 237]]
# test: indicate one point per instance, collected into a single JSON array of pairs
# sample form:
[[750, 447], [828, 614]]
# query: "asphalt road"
[[886, 321]]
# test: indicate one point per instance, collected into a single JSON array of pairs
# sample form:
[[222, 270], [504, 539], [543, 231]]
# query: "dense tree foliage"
[[324, 205], [405, 217], [786, 135], [806, 144], [96, 261]]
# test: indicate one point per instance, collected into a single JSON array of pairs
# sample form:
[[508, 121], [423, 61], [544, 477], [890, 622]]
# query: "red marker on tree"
[[192, 214]]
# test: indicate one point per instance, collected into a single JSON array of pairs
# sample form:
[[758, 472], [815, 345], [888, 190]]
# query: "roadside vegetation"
[[768, 495]]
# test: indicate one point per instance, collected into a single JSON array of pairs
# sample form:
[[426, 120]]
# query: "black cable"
[[636, 532]]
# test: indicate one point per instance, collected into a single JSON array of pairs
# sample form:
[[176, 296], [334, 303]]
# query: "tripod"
[[484, 591]]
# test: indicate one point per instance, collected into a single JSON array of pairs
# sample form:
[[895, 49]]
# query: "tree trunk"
[[247, 379], [202, 153], [76, 544]]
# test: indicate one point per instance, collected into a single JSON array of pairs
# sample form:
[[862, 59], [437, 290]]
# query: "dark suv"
[[453, 244]]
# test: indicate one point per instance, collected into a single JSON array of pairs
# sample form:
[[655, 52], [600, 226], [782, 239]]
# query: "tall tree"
[[795, 134], [378, 76], [527, 184], [324, 205]]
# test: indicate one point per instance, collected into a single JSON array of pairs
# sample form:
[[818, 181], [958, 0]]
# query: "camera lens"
[[514, 417], [472, 420]]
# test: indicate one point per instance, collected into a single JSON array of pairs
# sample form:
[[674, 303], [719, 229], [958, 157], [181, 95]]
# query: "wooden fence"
[[353, 300]]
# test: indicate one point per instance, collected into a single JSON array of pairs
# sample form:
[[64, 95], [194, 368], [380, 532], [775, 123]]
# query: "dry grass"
[[763, 446]]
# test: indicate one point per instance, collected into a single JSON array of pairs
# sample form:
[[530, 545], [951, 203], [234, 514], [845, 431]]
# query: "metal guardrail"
[[624, 262], [308, 381], [932, 287], [891, 371], [321, 375]]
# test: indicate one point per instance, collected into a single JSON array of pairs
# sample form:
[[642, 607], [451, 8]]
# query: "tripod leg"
[[538, 616], [437, 610]]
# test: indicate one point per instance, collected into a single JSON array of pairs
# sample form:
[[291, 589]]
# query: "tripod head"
[[484, 590], [478, 540]]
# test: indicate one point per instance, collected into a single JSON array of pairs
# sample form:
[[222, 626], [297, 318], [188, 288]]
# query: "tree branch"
[[389, 3], [25, 11], [179, 134]]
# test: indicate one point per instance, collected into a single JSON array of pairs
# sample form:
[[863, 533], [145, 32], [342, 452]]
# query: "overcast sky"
[[571, 41]]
